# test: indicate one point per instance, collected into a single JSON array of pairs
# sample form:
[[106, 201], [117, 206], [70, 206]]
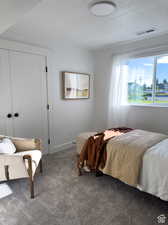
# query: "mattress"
[[154, 172]]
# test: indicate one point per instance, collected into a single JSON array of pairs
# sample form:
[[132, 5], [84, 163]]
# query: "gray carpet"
[[63, 198]]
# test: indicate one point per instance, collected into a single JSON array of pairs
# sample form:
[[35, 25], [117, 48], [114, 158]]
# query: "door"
[[28, 79], [6, 121]]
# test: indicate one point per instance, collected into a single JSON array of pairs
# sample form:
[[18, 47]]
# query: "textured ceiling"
[[55, 20]]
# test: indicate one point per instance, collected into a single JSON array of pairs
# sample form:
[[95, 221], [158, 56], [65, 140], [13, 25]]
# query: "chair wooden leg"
[[30, 172], [41, 166], [31, 188]]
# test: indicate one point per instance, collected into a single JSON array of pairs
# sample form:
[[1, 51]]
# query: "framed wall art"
[[76, 85]]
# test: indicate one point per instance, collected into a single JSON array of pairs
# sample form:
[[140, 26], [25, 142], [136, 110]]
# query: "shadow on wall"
[[148, 118]]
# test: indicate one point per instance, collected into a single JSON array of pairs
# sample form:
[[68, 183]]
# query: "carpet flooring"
[[63, 198]]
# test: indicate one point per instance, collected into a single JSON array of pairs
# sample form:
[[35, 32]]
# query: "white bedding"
[[154, 172]]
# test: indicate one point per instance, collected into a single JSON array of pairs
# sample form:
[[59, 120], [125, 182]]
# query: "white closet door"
[[5, 95], [29, 96]]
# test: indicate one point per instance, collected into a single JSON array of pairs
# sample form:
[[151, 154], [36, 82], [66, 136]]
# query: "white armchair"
[[23, 163]]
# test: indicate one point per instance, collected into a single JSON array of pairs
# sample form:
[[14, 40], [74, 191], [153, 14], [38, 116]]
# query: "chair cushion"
[[24, 144], [36, 155], [7, 147]]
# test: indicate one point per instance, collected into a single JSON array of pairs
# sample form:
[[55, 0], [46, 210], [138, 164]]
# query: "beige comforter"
[[125, 154]]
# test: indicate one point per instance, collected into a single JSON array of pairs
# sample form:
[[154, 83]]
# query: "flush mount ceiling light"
[[102, 8]]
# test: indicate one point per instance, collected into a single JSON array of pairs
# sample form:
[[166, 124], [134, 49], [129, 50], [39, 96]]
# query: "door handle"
[[9, 115], [16, 115]]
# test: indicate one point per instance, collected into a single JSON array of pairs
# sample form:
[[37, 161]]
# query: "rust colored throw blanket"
[[93, 154]]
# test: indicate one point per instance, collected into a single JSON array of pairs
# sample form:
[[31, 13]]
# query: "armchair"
[[23, 163]]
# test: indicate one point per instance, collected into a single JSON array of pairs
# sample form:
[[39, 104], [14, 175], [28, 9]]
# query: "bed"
[[153, 176]]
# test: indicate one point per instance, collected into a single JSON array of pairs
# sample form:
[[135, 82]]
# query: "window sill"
[[149, 105]]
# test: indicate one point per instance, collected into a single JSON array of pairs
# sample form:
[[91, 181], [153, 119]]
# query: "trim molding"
[[21, 47], [62, 147]]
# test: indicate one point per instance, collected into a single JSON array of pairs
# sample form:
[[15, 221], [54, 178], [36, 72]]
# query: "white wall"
[[69, 117], [149, 118], [102, 64]]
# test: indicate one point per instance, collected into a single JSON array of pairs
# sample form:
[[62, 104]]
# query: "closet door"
[[29, 91], [5, 95]]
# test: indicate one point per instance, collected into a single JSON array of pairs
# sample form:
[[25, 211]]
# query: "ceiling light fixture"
[[102, 8]]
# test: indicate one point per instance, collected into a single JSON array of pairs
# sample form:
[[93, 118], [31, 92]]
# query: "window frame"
[[153, 104]]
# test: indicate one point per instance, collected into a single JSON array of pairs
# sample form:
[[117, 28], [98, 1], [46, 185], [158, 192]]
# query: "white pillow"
[[7, 147]]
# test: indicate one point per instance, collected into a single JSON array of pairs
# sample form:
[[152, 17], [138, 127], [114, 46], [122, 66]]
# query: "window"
[[161, 93], [148, 80]]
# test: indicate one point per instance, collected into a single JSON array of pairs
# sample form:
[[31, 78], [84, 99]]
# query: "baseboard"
[[62, 147]]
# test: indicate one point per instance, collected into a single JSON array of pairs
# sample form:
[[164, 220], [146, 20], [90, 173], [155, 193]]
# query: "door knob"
[[9, 115], [16, 115]]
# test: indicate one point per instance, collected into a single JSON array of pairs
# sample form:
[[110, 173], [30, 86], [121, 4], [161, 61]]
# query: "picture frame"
[[76, 85]]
